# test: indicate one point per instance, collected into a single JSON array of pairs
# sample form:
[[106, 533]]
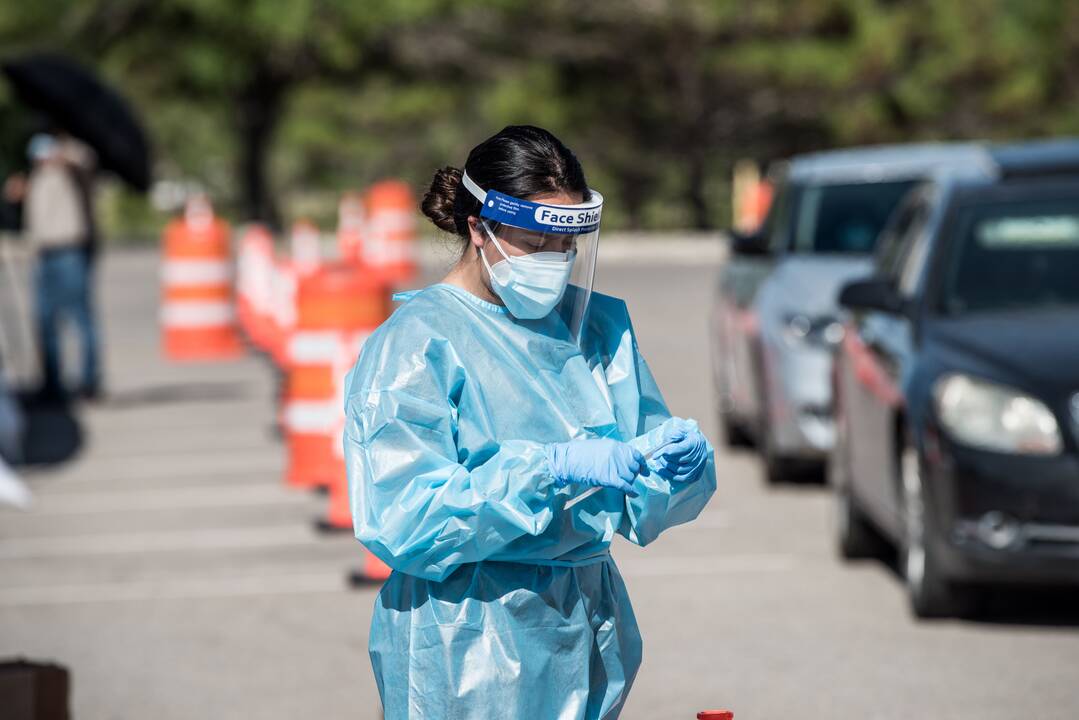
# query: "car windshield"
[[845, 218], [1015, 256]]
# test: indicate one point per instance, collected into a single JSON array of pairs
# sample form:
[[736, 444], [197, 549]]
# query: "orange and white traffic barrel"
[[339, 513], [304, 244], [284, 284], [260, 289], [751, 196], [715, 715], [243, 282], [337, 308], [372, 571], [390, 240], [350, 225], [254, 292], [198, 319]]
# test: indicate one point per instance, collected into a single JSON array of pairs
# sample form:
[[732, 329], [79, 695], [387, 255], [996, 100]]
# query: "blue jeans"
[[63, 287]]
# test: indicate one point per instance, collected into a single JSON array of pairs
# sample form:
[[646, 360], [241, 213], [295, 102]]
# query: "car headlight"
[[994, 417], [822, 331]]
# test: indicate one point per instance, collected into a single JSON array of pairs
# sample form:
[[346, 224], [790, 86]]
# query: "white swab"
[[592, 491]]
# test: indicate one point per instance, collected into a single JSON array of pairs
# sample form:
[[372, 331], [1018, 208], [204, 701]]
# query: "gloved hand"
[[684, 453], [601, 462]]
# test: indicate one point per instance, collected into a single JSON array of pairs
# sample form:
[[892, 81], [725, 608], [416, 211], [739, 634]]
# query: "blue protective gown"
[[501, 603]]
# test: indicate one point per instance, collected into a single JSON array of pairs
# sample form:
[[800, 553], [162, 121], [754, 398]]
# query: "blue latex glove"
[[684, 453], [598, 463]]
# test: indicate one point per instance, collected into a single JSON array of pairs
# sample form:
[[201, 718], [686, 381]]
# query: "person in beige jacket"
[[58, 218]]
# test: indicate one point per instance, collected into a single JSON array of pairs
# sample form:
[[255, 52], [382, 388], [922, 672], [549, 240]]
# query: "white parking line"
[[710, 565], [212, 496], [178, 589], [708, 521], [224, 462], [331, 581], [163, 541], [138, 445]]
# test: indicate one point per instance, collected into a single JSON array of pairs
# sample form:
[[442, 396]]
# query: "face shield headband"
[[537, 217]]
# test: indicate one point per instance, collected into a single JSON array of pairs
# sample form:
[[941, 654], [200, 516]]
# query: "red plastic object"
[[715, 715]]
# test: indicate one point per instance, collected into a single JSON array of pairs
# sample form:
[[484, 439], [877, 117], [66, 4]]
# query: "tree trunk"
[[259, 105], [695, 192]]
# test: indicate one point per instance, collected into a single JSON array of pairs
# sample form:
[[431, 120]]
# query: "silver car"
[[775, 316]]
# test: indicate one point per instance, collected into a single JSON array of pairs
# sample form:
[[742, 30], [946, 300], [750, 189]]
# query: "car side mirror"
[[748, 243], [873, 294]]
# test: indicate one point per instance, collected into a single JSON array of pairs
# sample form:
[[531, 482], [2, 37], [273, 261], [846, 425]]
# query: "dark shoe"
[[49, 395], [91, 393]]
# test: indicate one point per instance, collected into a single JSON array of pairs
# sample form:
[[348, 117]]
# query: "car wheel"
[[931, 595], [855, 535], [777, 469], [734, 433]]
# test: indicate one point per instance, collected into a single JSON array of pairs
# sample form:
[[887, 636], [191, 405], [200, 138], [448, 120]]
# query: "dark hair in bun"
[[521, 160], [439, 201]]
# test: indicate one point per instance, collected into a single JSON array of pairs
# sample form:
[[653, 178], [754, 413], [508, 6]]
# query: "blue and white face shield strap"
[[580, 221], [538, 217]]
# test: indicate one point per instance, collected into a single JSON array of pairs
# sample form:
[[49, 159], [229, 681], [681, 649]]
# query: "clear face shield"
[[547, 254]]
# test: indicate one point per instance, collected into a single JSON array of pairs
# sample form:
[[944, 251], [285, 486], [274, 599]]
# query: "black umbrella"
[[82, 105]]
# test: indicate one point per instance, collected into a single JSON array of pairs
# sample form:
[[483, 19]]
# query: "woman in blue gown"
[[497, 429]]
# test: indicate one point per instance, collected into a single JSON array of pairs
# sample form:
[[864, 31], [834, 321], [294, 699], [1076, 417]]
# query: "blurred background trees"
[[276, 106]]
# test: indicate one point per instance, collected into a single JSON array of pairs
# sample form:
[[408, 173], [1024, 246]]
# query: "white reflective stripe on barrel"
[[196, 272], [314, 347], [195, 313], [347, 351], [262, 284], [311, 416], [397, 252], [391, 221], [285, 285]]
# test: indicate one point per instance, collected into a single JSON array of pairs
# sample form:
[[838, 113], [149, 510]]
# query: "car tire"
[[735, 434], [930, 593], [856, 537], [777, 469]]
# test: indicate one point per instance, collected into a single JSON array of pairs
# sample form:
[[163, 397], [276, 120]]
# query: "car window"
[[1014, 255], [890, 245], [845, 218], [777, 226], [915, 246]]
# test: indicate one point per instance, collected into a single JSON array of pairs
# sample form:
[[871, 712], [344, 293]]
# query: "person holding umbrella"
[[93, 128], [58, 216]]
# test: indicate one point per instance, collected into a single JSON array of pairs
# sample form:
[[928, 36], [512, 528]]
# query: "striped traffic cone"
[[337, 308], [197, 315], [390, 241]]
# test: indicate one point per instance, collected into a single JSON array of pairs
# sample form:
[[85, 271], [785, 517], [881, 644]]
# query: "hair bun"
[[438, 203]]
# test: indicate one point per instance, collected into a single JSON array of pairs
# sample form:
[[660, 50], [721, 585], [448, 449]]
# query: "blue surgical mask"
[[529, 285]]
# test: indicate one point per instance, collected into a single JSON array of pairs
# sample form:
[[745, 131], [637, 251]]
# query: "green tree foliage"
[[295, 100]]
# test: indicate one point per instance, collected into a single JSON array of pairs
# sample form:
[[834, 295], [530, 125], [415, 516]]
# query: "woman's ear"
[[475, 232]]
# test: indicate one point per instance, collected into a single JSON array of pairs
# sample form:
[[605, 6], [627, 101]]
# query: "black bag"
[[33, 691]]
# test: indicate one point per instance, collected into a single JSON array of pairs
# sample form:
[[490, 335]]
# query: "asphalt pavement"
[[170, 569]]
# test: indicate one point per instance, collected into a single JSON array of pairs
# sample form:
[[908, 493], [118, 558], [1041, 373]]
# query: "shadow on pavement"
[[1033, 605], [176, 393], [1044, 607], [52, 433]]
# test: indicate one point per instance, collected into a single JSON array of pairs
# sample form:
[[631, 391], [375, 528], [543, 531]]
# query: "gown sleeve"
[[415, 505], [661, 503]]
